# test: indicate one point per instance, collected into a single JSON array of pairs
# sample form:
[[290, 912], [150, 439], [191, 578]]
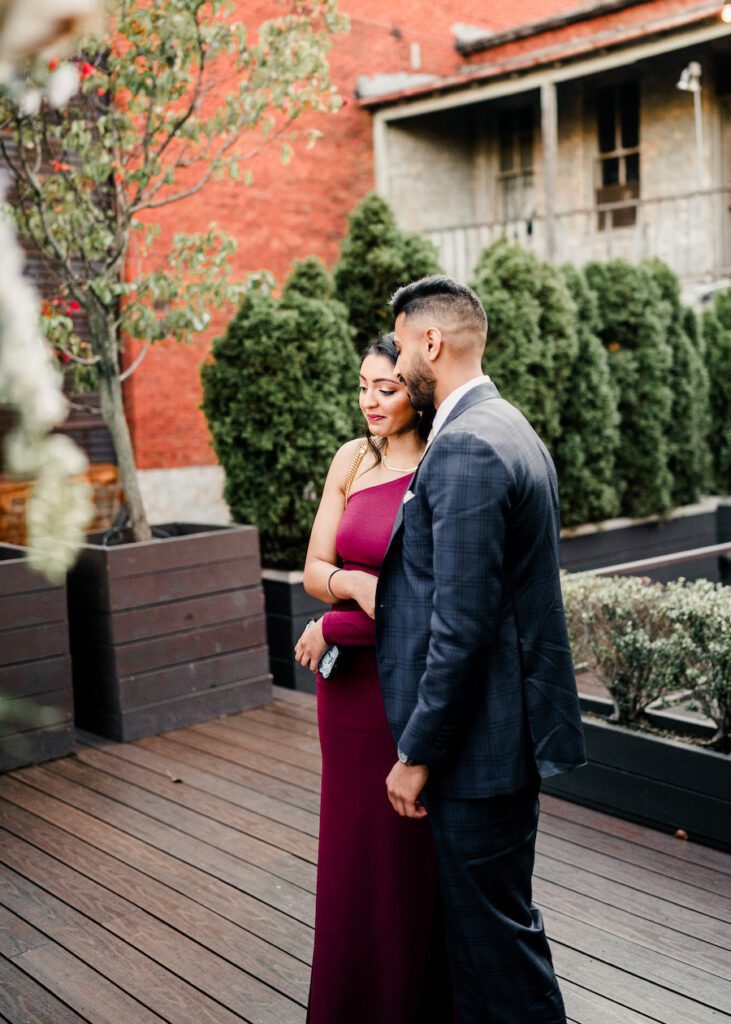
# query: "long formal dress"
[[379, 956]]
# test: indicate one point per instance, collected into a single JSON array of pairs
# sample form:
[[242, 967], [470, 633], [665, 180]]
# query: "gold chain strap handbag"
[[362, 449]]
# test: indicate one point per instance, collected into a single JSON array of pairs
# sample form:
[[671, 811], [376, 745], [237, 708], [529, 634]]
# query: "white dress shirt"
[[449, 403]]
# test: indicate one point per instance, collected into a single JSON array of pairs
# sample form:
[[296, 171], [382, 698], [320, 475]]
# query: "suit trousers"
[[499, 958]]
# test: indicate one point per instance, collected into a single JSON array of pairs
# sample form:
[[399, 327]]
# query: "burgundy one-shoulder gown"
[[378, 956]]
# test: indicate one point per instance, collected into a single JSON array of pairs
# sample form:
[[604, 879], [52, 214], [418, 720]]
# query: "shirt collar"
[[451, 400]]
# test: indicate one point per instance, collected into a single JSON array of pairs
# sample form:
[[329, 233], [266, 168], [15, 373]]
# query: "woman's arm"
[[322, 557]]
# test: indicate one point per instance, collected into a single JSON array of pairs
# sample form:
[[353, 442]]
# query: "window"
[[515, 176], [618, 163]]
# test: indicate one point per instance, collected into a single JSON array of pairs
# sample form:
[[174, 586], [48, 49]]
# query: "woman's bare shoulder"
[[343, 459]]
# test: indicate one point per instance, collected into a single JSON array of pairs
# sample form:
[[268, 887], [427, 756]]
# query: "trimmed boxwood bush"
[[645, 639], [717, 338], [688, 455], [532, 341], [280, 397], [586, 448], [376, 258], [633, 327]]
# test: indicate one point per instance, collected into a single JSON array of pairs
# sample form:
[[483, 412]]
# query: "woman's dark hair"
[[385, 346]]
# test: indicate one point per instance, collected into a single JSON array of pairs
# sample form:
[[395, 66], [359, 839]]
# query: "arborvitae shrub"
[[376, 258], [688, 456], [532, 341], [586, 449], [280, 398], [633, 328], [717, 338]]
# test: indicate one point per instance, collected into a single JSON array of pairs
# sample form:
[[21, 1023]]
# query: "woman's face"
[[384, 400]]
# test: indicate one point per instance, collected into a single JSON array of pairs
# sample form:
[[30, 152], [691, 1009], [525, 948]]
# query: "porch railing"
[[690, 231]]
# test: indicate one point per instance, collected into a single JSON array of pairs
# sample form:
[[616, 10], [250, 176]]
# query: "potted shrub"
[[280, 397], [36, 703], [166, 625], [643, 640]]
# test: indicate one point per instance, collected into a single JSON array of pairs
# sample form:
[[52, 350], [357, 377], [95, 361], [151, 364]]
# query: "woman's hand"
[[311, 646], [363, 589]]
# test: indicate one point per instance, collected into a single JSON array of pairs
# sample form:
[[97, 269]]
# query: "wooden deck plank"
[[193, 854], [198, 794], [215, 831], [24, 1001], [276, 928], [148, 960], [260, 884], [74, 871], [213, 776]]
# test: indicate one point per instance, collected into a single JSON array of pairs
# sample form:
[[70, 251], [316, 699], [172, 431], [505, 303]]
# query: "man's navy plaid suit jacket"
[[472, 648]]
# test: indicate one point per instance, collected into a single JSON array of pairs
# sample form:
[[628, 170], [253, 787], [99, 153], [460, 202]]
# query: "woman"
[[377, 956]]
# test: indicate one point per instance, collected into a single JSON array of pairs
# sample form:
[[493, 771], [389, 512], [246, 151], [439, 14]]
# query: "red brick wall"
[[299, 210]]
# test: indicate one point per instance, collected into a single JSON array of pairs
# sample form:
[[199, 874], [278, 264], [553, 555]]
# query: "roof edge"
[[584, 13]]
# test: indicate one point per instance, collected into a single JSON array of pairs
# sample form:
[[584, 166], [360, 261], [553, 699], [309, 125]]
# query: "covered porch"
[[599, 156]]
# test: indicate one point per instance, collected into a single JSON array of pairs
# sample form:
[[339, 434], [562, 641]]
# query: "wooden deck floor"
[[173, 879]]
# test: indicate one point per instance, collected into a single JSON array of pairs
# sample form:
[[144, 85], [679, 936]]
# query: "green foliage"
[[633, 322], [280, 397], [148, 131], [616, 626], [532, 342], [376, 258], [586, 449], [717, 338], [645, 640], [688, 454]]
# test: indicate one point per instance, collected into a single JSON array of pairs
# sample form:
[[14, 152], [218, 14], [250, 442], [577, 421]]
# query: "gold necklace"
[[396, 469]]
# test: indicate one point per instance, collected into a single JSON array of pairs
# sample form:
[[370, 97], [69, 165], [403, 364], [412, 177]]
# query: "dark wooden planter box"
[[628, 540], [288, 609], [660, 782], [167, 632], [36, 703]]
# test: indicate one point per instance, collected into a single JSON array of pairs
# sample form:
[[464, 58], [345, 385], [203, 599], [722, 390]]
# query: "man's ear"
[[432, 342]]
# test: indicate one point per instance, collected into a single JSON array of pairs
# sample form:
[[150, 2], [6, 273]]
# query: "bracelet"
[[327, 585]]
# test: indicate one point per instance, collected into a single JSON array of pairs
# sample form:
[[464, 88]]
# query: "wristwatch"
[[405, 759]]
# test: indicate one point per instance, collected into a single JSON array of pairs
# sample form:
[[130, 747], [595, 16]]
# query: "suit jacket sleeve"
[[468, 491], [349, 627]]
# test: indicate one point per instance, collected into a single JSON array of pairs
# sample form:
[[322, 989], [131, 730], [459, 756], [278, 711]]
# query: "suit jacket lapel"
[[481, 393]]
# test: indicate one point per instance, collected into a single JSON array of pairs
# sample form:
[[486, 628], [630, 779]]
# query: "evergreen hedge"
[[532, 341], [586, 449], [633, 327], [280, 397], [717, 338], [688, 455], [376, 258]]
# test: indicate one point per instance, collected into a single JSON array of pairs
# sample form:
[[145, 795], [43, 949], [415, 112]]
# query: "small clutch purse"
[[329, 658]]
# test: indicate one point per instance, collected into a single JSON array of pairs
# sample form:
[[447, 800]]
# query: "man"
[[474, 657]]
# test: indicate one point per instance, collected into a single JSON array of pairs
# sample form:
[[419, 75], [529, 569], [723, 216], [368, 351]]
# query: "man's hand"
[[404, 783], [311, 646], [364, 591]]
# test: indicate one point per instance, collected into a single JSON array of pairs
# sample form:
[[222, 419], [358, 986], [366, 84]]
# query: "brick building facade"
[[292, 212]]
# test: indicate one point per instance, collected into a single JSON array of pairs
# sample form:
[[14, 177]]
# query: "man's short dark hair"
[[441, 296]]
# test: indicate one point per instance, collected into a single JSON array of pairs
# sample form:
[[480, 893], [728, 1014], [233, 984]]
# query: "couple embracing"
[[436, 543]]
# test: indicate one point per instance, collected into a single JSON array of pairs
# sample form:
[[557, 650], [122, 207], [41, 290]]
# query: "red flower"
[[53, 64], [86, 70], [74, 306]]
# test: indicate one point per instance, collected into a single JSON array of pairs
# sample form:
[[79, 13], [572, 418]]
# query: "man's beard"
[[421, 385]]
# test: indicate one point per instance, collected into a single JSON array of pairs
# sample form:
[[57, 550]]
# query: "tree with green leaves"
[[174, 95], [532, 341], [633, 327], [376, 258], [716, 324], [688, 454], [280, 397], [586, 449]]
